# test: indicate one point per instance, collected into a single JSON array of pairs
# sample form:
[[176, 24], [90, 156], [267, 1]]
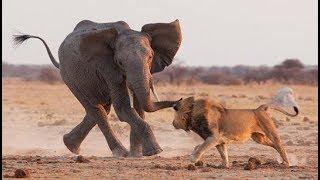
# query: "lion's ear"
[[187, 103], [189, 100], [219, 106]]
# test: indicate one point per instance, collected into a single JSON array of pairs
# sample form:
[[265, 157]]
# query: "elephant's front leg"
[[142, 130], [116, 147], [135, 141]]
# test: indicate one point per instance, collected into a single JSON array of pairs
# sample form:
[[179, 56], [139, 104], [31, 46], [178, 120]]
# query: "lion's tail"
[[266, 106]]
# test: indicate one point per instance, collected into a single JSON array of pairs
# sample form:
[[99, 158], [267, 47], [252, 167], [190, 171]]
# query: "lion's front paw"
[[226, 166], [193, 158], [196, 148], [285, 164]]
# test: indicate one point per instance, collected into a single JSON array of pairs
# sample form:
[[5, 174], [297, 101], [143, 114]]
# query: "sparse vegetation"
[[43, 73], [290, 71], [49, 75]]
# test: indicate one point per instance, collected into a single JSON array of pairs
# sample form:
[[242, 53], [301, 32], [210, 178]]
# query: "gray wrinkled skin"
[[99, 62], [284, 98]]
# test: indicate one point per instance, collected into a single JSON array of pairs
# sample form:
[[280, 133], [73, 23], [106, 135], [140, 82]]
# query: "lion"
[[220, 126]]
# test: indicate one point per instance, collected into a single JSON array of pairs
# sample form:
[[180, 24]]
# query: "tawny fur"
[[219, 126]]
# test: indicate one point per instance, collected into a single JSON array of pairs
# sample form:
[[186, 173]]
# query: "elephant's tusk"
[[154, 92], [131, 98]]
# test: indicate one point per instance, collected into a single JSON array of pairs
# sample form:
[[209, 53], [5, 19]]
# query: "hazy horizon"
[[215, 33], [180, 62]]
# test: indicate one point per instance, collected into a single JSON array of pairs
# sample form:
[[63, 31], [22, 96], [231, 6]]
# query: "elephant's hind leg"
[[74, 138], [94, 115]]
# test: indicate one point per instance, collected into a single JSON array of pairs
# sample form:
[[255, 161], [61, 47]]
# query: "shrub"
[[49, 75], [290, 71]]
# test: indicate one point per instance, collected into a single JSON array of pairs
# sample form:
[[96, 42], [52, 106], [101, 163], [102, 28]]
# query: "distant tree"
[[212, 78], [290, 71], [192, 74], [258, 74], [291, 63]]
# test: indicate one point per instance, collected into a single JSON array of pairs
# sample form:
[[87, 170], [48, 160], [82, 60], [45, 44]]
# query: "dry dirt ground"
[[36, 115]]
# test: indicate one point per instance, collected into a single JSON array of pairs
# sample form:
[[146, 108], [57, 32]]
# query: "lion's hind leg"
[[268, 127], [262, 139]]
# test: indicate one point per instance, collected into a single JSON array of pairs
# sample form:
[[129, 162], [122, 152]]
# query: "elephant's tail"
[[19, 39]]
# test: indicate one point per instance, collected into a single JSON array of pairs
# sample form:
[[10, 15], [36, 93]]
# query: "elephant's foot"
[[119, 152], [136, 151], [71, 145], [150, 150], [149, 145], [135, 154], [148, 141], [74, 138]]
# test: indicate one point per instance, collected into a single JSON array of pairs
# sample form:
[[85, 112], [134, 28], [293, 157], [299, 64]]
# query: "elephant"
[[106, 64]]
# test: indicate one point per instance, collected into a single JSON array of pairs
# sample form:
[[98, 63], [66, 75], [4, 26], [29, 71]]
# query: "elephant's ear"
[[166, 40], [97, 43]]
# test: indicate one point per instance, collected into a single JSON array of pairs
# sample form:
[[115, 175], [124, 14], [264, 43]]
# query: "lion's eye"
[[175, 108], [150, 59]]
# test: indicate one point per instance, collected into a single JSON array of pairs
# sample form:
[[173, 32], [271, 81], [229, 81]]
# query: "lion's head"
[[183, 110]]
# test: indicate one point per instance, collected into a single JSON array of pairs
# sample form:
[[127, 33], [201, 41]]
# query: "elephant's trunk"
[[141, 86]]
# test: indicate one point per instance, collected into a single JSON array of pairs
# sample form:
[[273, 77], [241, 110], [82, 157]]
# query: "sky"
[[214, 32]]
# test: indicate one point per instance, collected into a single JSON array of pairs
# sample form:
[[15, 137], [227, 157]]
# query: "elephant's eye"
[[119, 62]]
